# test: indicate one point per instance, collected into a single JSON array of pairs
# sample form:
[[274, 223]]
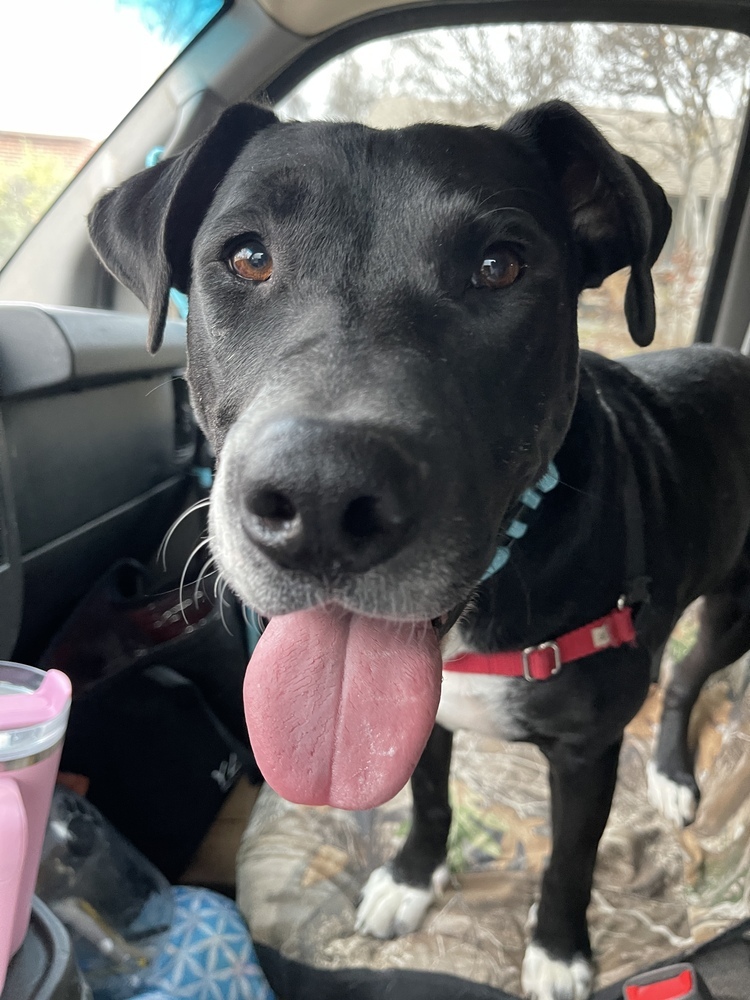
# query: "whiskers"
[[204, 573], [200, 589], [162, 553], [208, 569], [575, 489], [183, 576], [253, 620], [220, 590]]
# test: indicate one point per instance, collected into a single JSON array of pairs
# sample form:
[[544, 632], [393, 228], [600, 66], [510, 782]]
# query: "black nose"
[[328, 497]]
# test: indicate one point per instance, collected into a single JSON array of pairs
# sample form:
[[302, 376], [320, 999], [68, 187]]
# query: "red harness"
[[539, 663]]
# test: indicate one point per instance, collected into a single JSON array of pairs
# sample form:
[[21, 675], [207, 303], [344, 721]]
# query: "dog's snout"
[[328, 498]]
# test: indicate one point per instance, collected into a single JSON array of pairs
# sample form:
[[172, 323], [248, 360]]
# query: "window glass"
[[69, 73], [673, 98]]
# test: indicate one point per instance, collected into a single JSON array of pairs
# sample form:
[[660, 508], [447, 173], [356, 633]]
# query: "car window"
[[69, 73], [672, 97]]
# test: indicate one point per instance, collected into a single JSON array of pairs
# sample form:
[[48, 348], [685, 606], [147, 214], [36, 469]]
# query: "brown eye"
[[252, 261], [500, 267]]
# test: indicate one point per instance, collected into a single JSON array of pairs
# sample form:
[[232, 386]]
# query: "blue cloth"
[[208, 954]]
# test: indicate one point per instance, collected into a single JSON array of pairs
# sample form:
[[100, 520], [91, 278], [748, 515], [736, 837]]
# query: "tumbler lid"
[[34, 707]]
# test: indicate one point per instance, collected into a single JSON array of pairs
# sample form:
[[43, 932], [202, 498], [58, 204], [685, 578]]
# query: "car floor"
[[214, 863]]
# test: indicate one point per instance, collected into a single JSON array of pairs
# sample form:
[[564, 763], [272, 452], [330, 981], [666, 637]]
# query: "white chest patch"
[[478, 702]]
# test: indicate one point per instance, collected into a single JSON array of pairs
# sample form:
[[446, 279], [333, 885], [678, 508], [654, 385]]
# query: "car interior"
[[100, 455]]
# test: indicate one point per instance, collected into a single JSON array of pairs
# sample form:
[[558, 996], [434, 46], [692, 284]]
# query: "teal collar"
[[529, 501]]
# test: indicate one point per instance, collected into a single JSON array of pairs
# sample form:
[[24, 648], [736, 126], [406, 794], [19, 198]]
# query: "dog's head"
[[383, 352]]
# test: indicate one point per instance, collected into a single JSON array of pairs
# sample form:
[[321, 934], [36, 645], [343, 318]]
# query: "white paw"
[[547, 978], [675, 802], [391, 909]]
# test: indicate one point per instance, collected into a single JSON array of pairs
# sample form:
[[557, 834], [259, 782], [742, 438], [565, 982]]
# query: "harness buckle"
[[526, 653]]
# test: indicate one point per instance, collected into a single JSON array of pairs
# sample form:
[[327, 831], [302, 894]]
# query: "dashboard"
[[96, 443]]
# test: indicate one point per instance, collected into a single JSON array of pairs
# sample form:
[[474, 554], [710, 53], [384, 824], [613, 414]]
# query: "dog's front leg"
[[557, 964], [397, 896]]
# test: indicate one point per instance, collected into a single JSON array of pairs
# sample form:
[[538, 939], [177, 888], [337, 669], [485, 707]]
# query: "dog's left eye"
[[501, 266], [251, 261]]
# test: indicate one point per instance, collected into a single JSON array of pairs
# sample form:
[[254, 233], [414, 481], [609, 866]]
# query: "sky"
[[73, 67]]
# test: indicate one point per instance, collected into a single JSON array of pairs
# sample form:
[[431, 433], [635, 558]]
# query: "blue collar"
[[529, 501]]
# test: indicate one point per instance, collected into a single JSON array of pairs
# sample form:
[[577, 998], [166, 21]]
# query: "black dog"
[[383, 352]]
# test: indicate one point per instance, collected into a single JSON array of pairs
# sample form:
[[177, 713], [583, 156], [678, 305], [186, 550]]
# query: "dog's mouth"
[[339, 706]]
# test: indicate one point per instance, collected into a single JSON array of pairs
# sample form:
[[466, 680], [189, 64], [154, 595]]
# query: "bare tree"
[[685, 86], [673, 97], [467, 75], [347, 94], [481, 74], [695, 82]]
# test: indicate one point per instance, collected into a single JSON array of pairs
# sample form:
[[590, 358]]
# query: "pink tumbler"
[[34, 708]]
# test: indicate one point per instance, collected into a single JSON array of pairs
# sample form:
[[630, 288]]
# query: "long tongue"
[[339, 707]]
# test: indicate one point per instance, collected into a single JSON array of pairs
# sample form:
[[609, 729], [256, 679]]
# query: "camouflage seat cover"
[[657, 891]]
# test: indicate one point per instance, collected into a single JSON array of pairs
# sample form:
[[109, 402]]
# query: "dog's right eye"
[[251, 261]]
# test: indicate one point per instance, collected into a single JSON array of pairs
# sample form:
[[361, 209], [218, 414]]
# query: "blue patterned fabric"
[[208, 954]]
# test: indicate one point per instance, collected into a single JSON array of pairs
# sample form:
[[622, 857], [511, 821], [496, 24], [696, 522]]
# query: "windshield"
[[69, 73]]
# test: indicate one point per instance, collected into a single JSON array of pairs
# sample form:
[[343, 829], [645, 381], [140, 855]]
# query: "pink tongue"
[[339, 707]]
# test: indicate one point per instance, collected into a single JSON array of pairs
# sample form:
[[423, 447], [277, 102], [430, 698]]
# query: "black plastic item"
[[297, 981], [671, 982], [723, 965], [11, 585], [44, 968]]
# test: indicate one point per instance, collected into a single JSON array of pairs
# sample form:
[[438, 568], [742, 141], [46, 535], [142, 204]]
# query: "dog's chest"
[[484, 704]]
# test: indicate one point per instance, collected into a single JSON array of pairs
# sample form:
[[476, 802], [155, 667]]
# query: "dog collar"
[[529, 501], [539, 663]]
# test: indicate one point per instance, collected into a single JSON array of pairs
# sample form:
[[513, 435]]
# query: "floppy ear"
[[619, 215], [144, 229]]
